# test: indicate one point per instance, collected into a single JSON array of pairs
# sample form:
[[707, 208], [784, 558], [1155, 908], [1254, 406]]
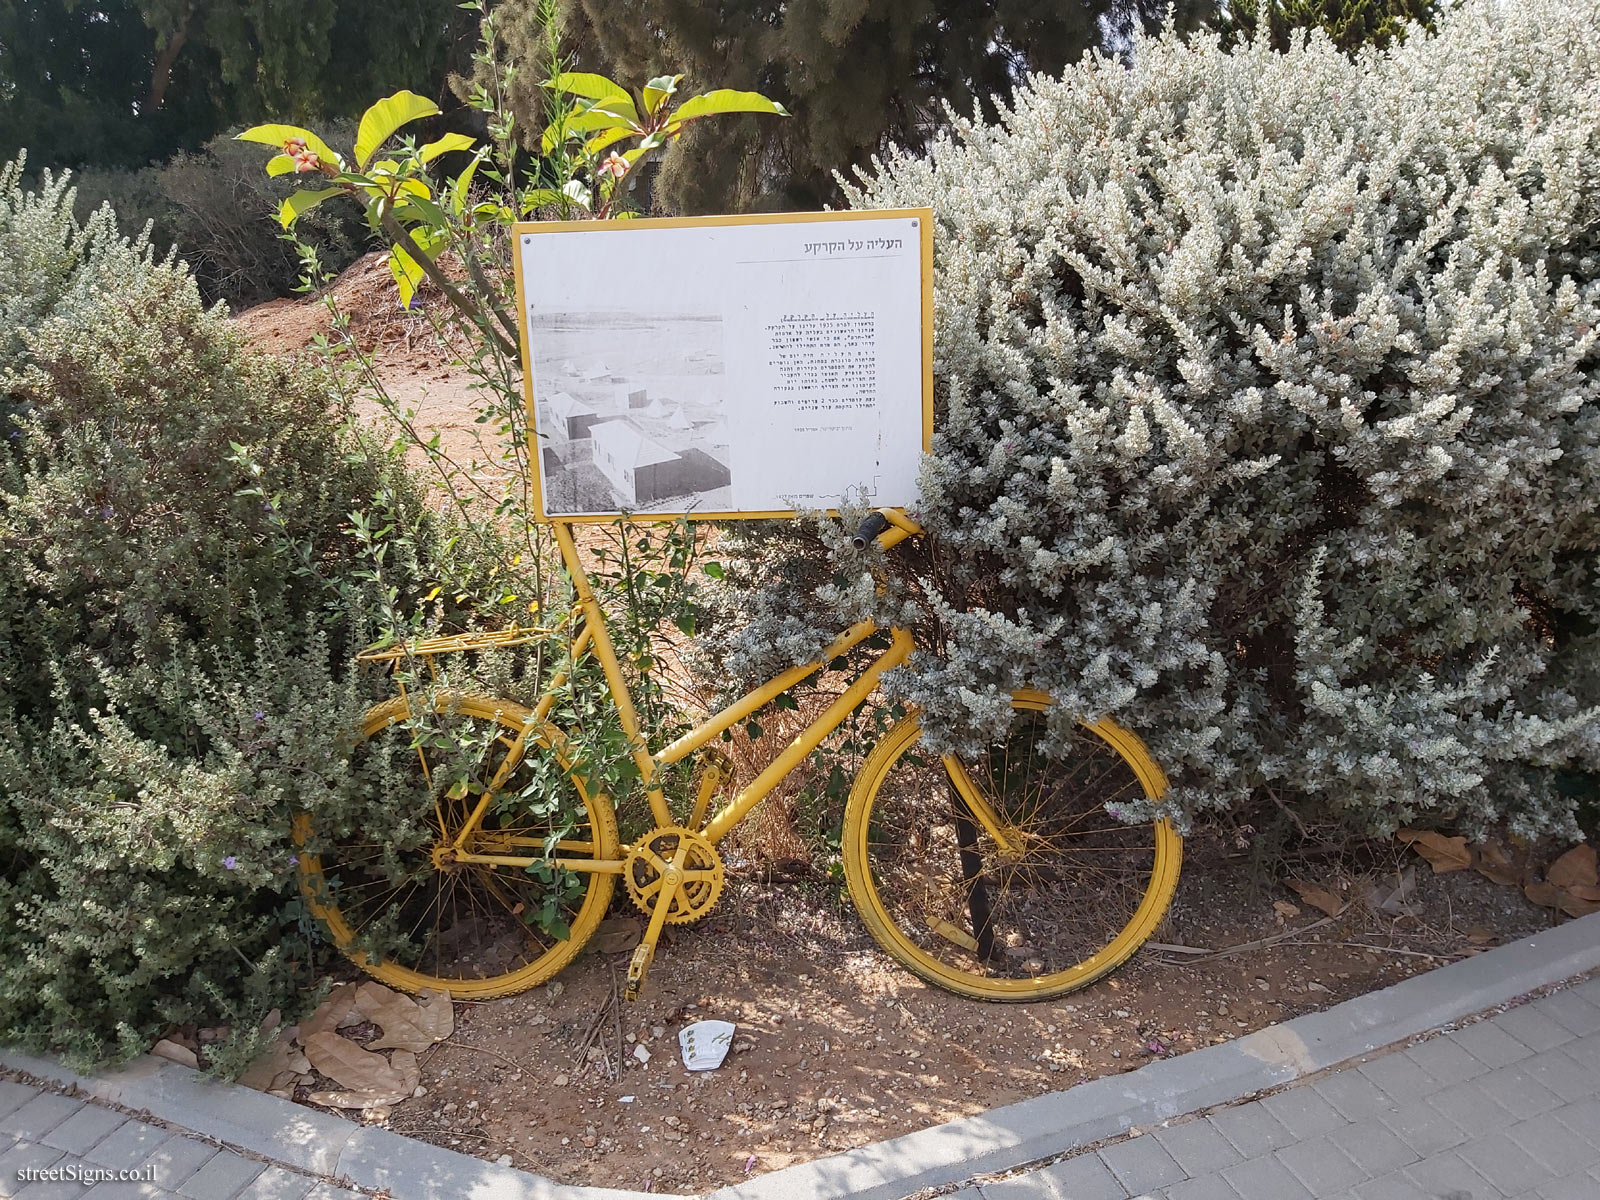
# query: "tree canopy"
[[121, 82], [1350, 24], [858, 75]]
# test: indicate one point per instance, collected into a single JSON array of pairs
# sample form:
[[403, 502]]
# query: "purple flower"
[[294, 861], [260, 716], [230, 862]]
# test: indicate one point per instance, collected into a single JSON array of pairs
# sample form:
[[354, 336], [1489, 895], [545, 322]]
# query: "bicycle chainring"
[[702, 867]]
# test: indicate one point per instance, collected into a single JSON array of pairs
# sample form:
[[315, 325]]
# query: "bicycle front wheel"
[[405, 904], [1066, 894]]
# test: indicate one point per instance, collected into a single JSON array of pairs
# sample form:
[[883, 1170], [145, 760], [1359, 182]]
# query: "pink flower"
[[305, 161], [613, 164]]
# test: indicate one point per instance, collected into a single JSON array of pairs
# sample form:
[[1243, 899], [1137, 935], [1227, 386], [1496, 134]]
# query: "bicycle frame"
[[594, 637]]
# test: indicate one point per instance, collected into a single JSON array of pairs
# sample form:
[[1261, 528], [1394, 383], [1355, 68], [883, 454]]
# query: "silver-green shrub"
[[1268, 415], [177, 620]]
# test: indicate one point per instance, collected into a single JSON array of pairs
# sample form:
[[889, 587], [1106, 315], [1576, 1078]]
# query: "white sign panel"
[[727, 366]]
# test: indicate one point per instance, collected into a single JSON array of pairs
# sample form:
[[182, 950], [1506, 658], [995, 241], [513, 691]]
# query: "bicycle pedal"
[[638, 967]]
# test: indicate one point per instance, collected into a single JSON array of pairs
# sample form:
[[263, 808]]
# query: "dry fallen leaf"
[[360, 1071], [1496, 863], [1320, 898], [337, 1011], [1575, 868], [1394, 899], [1545, 895], [617, 935], [1284, 909], [1443, 853], [406, 1024], [268, 1069], [1479, 936], [354, 1099], [173, 1052]]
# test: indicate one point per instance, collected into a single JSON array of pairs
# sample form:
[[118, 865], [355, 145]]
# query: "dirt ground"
[[837, 1046]]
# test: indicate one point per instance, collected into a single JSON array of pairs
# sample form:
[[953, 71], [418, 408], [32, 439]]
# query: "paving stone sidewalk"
[[44, 1132], [1506, 1108]]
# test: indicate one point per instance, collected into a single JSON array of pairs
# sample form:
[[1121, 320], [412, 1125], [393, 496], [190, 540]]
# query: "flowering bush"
[[1267, 416], [179, 603]]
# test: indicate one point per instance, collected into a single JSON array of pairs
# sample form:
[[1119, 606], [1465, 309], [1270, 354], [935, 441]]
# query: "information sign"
[[727, 366]]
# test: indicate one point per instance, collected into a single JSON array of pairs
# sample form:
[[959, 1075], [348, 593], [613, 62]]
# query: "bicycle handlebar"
[[887, 526], [869, 530]]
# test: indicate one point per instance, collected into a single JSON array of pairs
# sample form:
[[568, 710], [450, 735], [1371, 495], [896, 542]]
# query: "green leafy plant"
[[422, 222], [182, 596]]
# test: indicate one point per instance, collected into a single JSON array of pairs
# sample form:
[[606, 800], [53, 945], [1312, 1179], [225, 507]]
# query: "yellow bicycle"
[[1003, 877]]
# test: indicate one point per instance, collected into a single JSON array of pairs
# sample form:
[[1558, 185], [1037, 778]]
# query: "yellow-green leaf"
[[657, 90], [725, 100], [380, 121], [580, 123], [540, 198], [579, 194], [421, 208], [594, 87], [615, 112], [277, 135], [407, 274], [296, 205], [461, 189], [280, 164], [447, 144]]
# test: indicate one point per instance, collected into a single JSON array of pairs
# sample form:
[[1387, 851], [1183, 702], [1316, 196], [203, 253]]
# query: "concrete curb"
[[1002, 1138], [296, 1136]]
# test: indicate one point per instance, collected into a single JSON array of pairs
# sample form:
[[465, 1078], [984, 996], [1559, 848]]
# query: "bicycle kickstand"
[[645, 951]]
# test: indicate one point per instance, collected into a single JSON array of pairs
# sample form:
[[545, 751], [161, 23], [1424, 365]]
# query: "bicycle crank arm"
[[645, 951]]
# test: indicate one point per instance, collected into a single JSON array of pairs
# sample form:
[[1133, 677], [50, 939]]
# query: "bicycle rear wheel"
[[1073, 894], [398, 902]]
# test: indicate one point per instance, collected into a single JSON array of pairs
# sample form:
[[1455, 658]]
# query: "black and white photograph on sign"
[[726, 368], [631, 415]]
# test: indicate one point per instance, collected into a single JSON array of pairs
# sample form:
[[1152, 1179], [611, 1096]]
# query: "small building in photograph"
[[644, 472], [572, 420]]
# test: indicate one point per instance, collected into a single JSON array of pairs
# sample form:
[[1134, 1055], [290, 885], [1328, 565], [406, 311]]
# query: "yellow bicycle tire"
[[321, 900], [1157, 893]]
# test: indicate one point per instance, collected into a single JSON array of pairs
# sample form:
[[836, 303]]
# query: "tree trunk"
[[161, 75]]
